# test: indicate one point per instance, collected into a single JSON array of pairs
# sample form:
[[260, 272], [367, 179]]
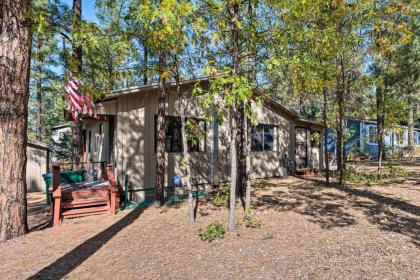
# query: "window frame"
[[371, 135], [180, 133], [264, 126]]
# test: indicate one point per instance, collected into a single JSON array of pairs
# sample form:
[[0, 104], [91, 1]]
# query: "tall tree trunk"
[[325, 121], [185, 153], [233, 170], [233, 10], [38, 90], [411, 125], [160, 141], [247, 122], [77, 71], [380, 125], [187, 162], [340, 140], [14, 93], [240, 150], [145, 63], [340, 137], [247, 145]]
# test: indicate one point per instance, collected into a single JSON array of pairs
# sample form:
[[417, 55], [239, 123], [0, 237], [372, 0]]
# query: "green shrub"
[[222, 197], [355, 175], [212, 231], [393, 171], [250, 221], [263, 185]]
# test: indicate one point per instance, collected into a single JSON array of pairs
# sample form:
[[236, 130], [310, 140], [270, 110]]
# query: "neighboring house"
[[125, 136], [58, 132], [38, 155], [362, 137]]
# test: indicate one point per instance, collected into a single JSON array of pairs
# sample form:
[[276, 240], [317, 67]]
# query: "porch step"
[[81, 212], [100, 192], [77, 203]]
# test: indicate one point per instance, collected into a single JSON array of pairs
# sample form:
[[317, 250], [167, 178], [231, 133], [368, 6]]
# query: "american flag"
[[78, 104]]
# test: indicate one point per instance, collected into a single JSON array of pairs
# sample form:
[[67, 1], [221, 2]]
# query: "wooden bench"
[[83, 199]]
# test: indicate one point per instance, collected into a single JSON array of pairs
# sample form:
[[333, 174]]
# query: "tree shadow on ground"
[[328, 208], [39, 215], [64, 265], [321, 208]]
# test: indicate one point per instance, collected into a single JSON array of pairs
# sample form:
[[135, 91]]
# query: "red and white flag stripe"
[[78, 104]]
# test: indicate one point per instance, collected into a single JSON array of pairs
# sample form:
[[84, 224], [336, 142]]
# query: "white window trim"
[[368, 134]]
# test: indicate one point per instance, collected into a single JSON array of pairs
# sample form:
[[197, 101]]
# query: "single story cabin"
[[125, 133], [363, 138]]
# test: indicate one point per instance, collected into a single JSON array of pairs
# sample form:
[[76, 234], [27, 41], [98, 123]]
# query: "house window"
[[262, 138], [173, 136], [373, 134], [418, 138], [400, 138], [197, 135]]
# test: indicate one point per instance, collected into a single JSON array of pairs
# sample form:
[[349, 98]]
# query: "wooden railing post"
[[113, 190], [104, 172], [56, 182]]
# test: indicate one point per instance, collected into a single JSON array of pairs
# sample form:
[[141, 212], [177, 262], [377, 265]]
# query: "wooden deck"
[[83, 199]]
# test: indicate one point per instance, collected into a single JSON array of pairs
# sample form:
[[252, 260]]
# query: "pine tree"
[[15, 41]]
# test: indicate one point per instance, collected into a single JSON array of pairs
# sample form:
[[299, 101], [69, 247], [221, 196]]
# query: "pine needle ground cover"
[[308, 231]]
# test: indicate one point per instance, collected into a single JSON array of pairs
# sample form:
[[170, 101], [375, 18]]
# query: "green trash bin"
[[66, 178]]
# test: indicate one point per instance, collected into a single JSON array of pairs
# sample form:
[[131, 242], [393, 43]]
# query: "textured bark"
[[187, 159], [247, 123], [77, 135], [411, 125], [233, 10], [38, 69], [340, 140], [14, 93], [77, 51], [160, 143], [145, 63], [244, 160], [185, 153], [325, 121], [380, 125], [341, 88], [247, 164], [233, 171], [340, 135], [240, 150]]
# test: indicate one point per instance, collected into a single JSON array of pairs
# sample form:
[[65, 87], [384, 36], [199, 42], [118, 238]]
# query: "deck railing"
[[91, 168]]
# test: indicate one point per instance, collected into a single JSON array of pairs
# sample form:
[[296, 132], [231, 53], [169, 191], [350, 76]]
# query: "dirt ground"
[[309, 231]]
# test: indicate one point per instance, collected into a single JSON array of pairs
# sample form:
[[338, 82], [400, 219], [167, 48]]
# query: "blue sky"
[[88, 9]]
